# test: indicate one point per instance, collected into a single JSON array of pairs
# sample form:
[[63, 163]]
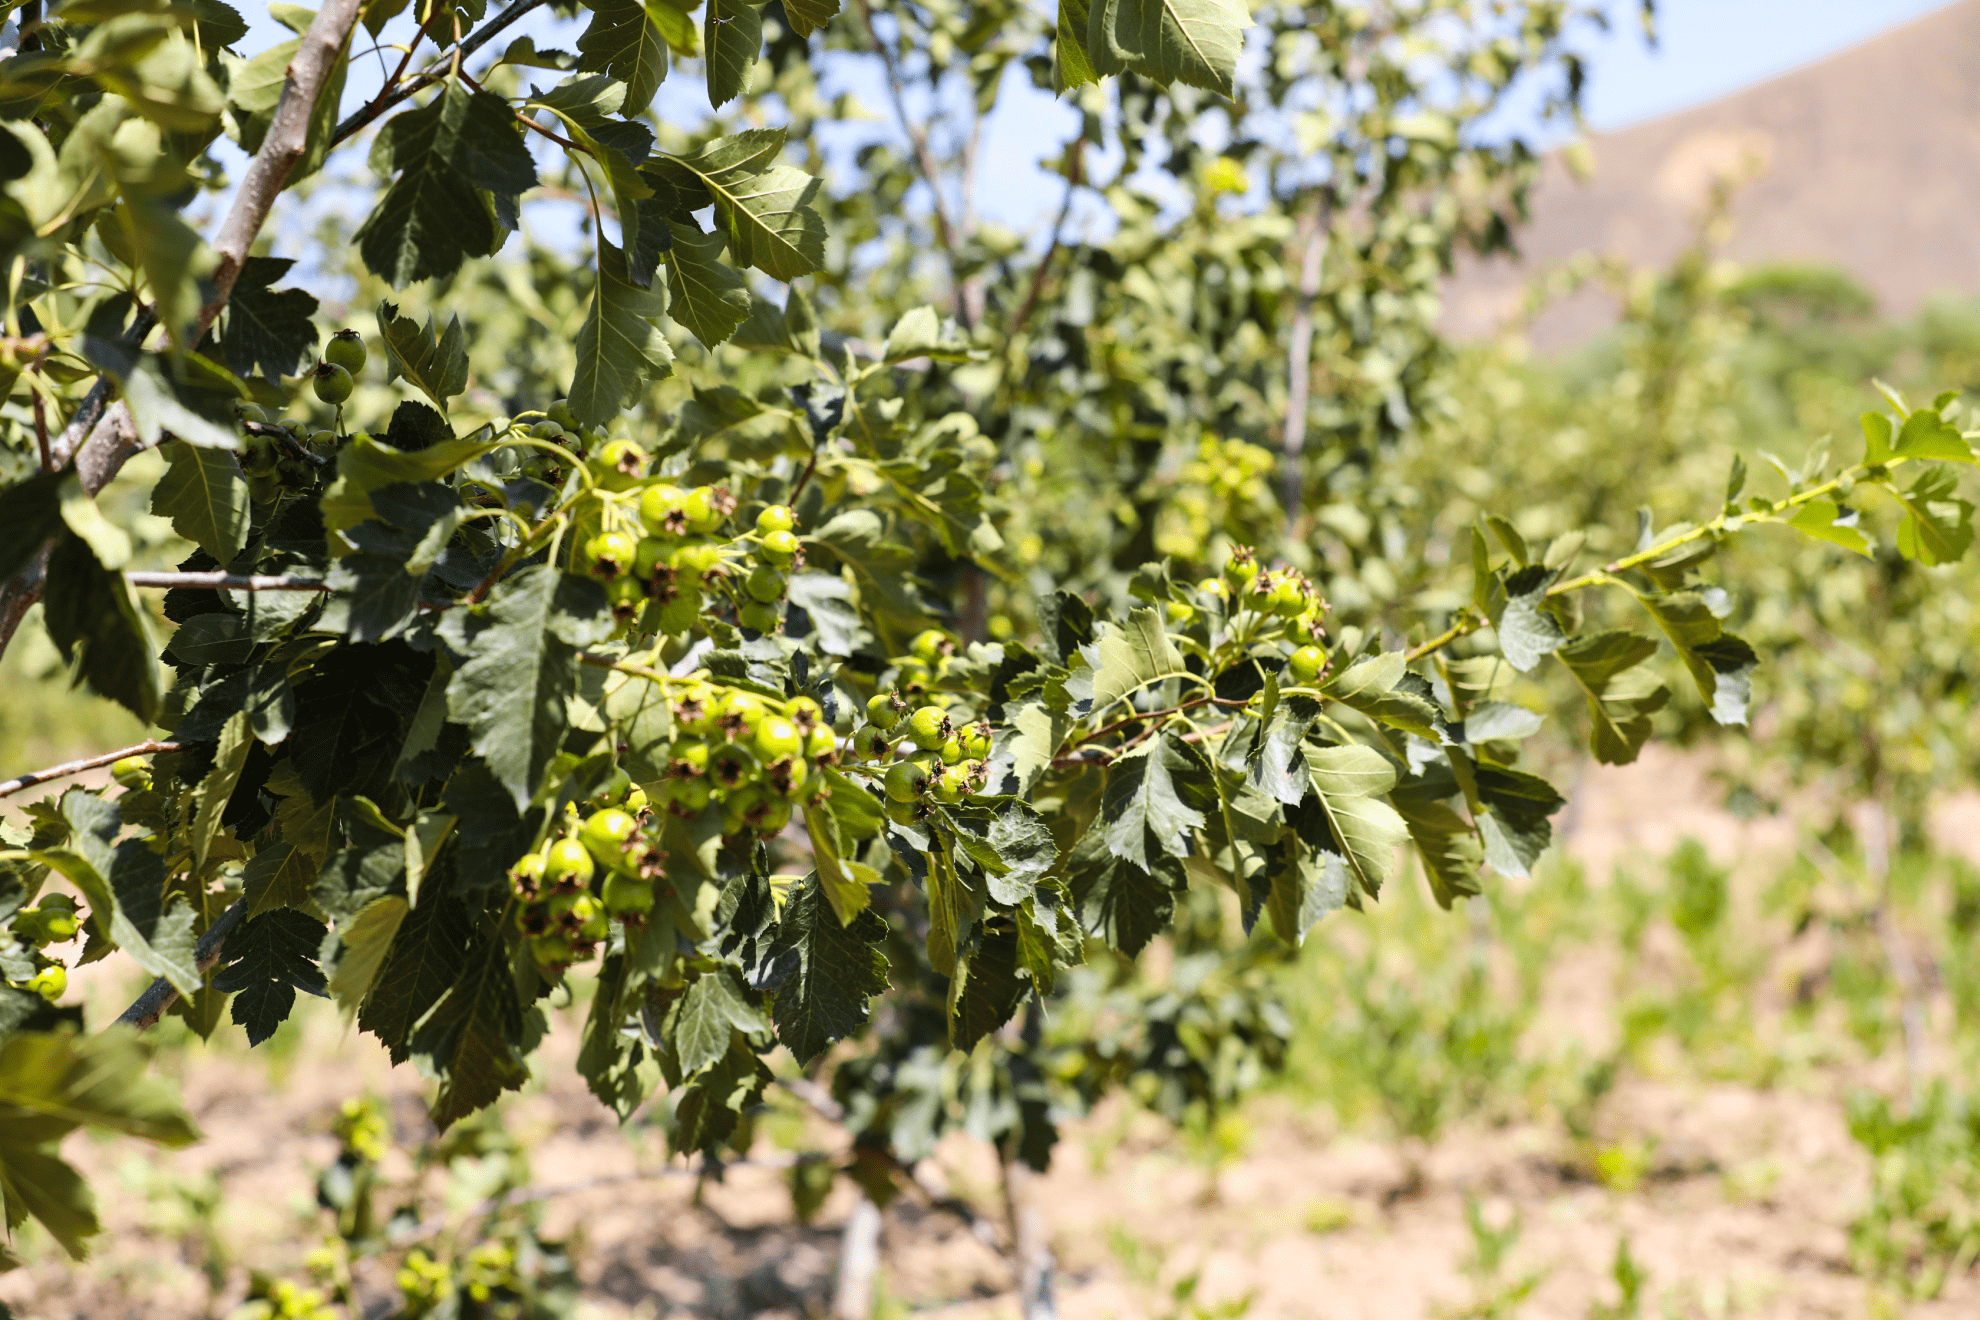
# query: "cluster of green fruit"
[[52, 921], [660, 551], [936, 761], [605, 865], [1263, 603], [751, 757]]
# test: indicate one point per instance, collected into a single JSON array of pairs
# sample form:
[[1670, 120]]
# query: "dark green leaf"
[[445, 154], [619, 348], [96, 624], [269, 959], [205, 496], [471, 1040], [1156, 795], [824, 972], [625, 39], [731, 37], [267, 330], [708, 296]]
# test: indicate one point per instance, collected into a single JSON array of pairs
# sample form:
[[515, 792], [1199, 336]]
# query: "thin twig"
[[1075, 174], [1299, 359], [917, 137], [148, 748], [475, 41], [226, 581], [150, 1006]]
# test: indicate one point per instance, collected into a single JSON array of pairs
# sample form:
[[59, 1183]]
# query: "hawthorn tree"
[[766, 656]]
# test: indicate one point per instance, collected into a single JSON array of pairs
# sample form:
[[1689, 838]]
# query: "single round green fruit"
[[902, 813], [949, 786], [820, 744], [768, 815], [929, 728], [928, 644], [884, 710], [50, 983], [696, 560], [779, 548], [626, 895], [1241, 567], [952, 752], [605, 835], [619, 465], [332, 383], [905, 781], [1178, 611], [59, 927], [560, 413], [777, 738], [776, 518], [805, 713], [132, 772], [610, 554], [552, 952], [759, 617], [1306, 663], [702, 514], [546, 430], [567, 863], [977, 740], [526, 876], [1288, 598], [660, 509], [765, 584], [346, 350]]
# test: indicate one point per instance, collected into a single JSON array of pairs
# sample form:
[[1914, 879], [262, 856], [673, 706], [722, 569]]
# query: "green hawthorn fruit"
[[1306, 663], [625, 596], [950, 785], [618, 465], [776, 518], [1178, 612], [660, 509], [626, 895], [977, 740], [332, 383], [952, 752], [346, 350], [768, 815], [546, 430], [50, 983], [805, 713], [526, 876], [560, 413], [738, 715], [696, 560], [820, 744], [765, 584], [1288, 598], [875, 745], [552, 952], [731, 768], [787, 775], [690, 797], [884, 709], [57, 925], [777, 738], [609, 554], [687, 759], [779, 548], [927, 645], [132, 772], [567, 864], [605, 835], [905, 781], [703, 513], [1240, 568], [759, 617], [928, 728], [677, 616], [902, 813]]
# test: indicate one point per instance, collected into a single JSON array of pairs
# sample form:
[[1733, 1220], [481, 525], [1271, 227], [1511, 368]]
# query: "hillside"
[[1869, 159]]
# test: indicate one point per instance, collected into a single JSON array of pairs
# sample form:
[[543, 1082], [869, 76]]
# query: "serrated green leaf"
[[1827, 521], [708, 296], [1622, 696], [96, 624], [1528, 632], [1191, 41], [1072, 66], [808, 16], [425, 953], [1120, 902], [1276, 763], [30, 513], [987, 988], [713, 1008], [217, 787], [764, 210], [1133, 656], [1515, 825], [1383, 688], [511, 691], [125, 886], [1445, 842], [205, 496], [444, 154], [1352, 821], [825, 971], [1720, 664], [731, 35], [1927, 435], [619, 347], [269, 959], [1156, 796], [1937, 527], [626, 39], [434, 364], [471, 1040]]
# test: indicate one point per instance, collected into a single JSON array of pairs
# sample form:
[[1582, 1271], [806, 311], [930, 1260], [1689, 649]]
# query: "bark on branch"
[[226, 581], [13, 786], [151, 1005]]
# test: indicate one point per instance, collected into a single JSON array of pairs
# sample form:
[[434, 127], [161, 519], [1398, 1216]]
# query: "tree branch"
[[148, 748], [145, 1011], [287, 139], [226, 581], [1299, 358]]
